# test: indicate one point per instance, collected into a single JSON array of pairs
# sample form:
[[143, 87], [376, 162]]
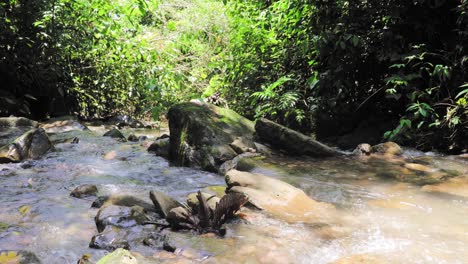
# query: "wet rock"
[[387, 148], [363, 149], [31, 145], [13, 127], [234, 163], [84, 190], [201, 134], [62, 126], [132, 138], [111, 238], [18, 257], [279, 198], [263, 149], [163, 202], [115, 133], [179, 218], [457, 186], [142, 138], [160, 147], [192, 201], [242, 145], [122, 200], [291, 141], [121, 216]]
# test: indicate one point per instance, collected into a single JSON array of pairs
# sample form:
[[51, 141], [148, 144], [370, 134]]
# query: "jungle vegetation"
[[327, 67]]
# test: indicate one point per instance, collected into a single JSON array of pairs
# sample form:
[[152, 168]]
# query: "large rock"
[[279, 198], [163, 202], [31, 145], [291, 141], [13, 127], [201, 134]]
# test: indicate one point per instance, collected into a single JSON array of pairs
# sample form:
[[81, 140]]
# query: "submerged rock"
[[360, 259], [457, 186], [279, 198], [122, 200], [201, 134], [115, 133], [122, 216], [18, 257], [163, 202], [84, 190], [31, 145], [291, 141]]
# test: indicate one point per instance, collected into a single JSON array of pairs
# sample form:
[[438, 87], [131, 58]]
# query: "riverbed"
[[383, 220]]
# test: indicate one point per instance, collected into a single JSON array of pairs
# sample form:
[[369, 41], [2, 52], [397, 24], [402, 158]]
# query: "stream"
[[384, 220]]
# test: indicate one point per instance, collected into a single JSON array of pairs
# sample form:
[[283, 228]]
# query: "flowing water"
[[382, 219]]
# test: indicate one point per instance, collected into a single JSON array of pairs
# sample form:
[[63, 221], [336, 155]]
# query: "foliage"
[[351, 61]]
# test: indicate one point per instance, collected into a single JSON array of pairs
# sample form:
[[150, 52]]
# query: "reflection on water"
[[389, 220]]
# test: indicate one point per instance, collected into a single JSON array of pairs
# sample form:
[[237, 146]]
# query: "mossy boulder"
[[13, 127], [201, 134]]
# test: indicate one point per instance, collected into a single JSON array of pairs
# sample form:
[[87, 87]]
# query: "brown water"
[[391, 221]]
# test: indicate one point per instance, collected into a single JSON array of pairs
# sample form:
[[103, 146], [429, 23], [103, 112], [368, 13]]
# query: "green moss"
[[3, 226]]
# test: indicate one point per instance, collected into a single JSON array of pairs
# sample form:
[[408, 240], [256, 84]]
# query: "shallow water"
[[395, 222]]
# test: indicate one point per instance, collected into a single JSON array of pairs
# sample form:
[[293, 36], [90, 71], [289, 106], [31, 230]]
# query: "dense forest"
[[344, 71]]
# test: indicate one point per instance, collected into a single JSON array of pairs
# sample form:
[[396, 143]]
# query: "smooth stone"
[[387, 148], [279, 198], [84, 191], [163, 202]]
